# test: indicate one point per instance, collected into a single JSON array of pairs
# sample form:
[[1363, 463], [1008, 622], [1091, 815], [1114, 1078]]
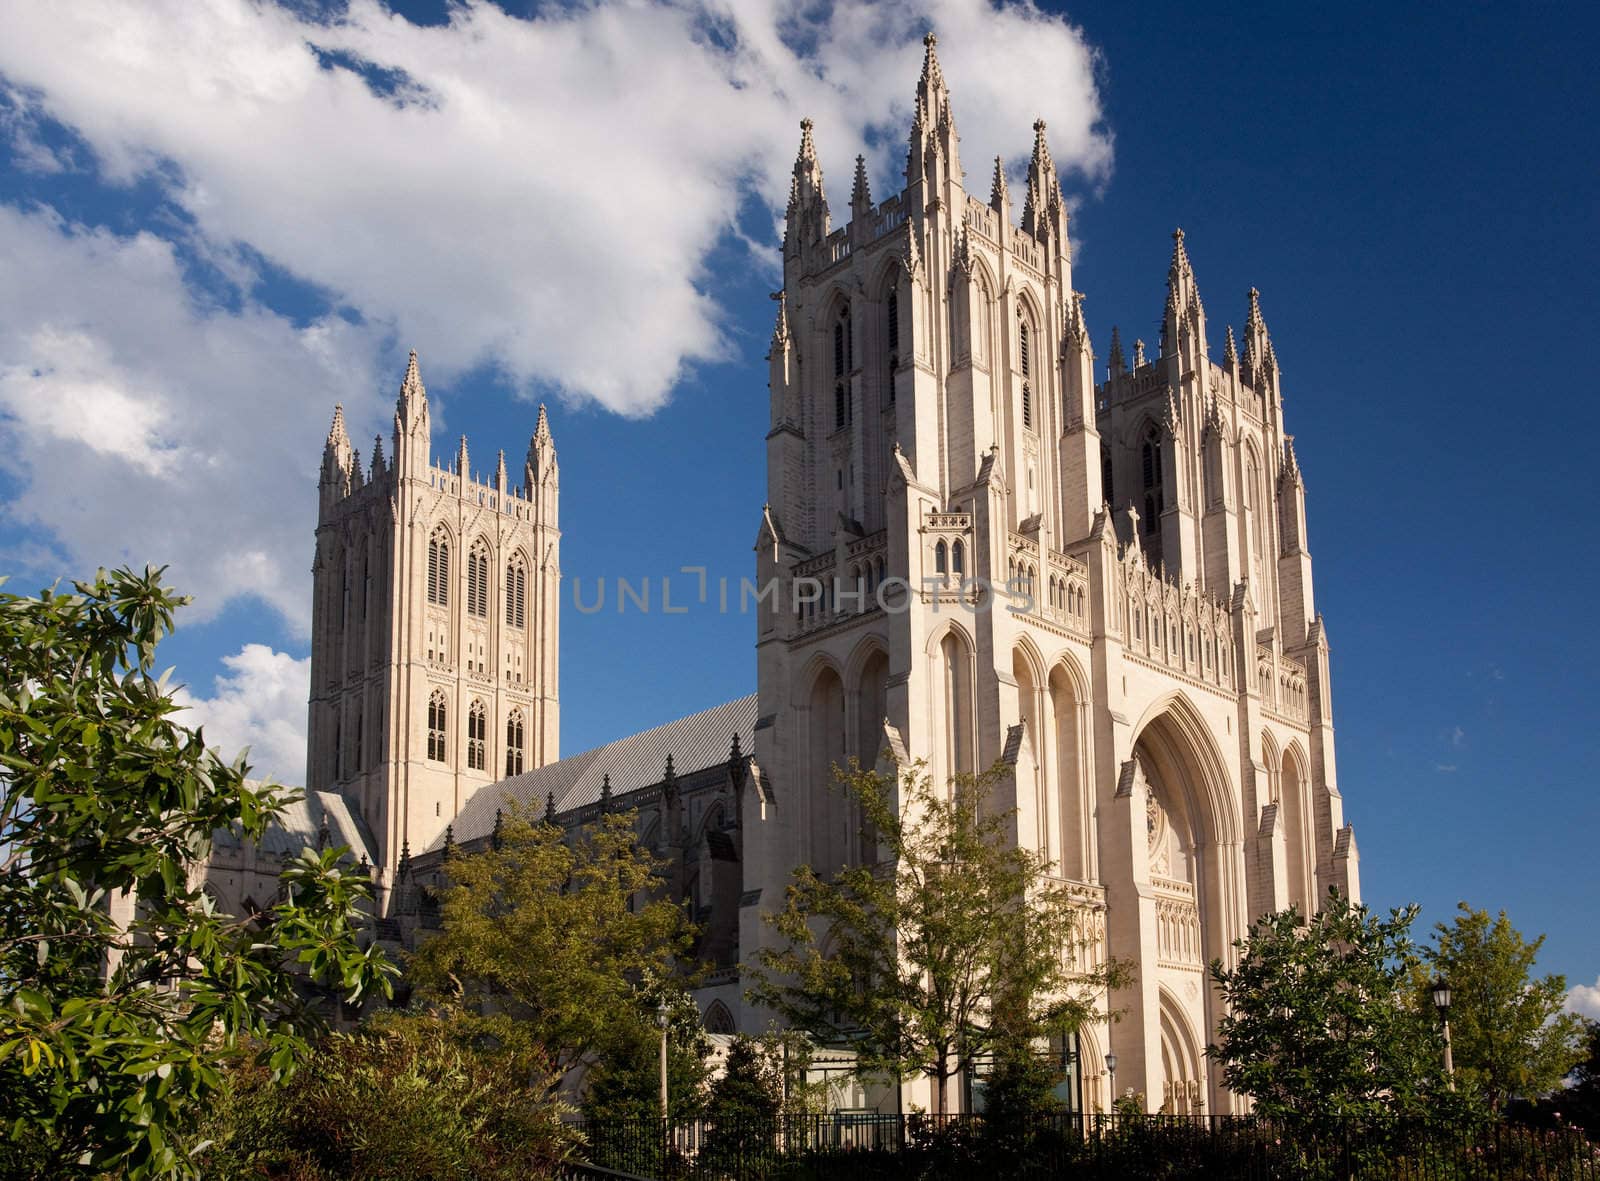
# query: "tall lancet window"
[[893, 313], [478, 580], [516, 593], [514, 743], [438, 721], [1154, 492], [838, 407], [1026, 363], [477, 737], [439, 568], [1107, 486]]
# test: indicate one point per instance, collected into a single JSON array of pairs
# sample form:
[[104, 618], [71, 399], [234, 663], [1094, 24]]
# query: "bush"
[[416, 1096]]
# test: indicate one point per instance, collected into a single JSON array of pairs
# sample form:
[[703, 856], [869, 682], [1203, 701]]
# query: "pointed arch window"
[[893, 313], [514, 739], [1022, 349], [516, 593], [478, 580], [1107, 489], [1027, 407], [838, 347], [940, 559], [438, 721], [477, 736], [1150, 464], [958, 558], [439, 568], [839, 407]]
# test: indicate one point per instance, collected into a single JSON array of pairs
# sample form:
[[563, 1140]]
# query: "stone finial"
[[378, 464], [495, 836], [449, 842], [1230, 351], [1291, 462], [1138, 353], [324, 836], [1119, 363], [404, 870], [737, 769], [337, 436], [932, 76], [413, 399], [1044, 189], [605, 793], [669, 782], [541, 429], [462, 468], [550, 808], [999, 195], [861, 190], [500, 472]]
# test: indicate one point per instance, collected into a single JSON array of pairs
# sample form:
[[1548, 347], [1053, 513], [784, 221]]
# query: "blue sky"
[[205, 242]]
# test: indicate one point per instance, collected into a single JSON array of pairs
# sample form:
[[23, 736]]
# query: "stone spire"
[[540, 466], [1257, 344], [500, 473], [1291, 462], [1183, 324], [462, 467], [933, 127], [338, 457], [999, 197], [861, 190], [377, 456], [807, 219], [1076, 335], [1230, 351], [413, 400], [1119, 362], [1043, 202]]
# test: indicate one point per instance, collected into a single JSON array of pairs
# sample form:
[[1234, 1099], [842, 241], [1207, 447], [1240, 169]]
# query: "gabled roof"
[[696, 742], [300, 824]]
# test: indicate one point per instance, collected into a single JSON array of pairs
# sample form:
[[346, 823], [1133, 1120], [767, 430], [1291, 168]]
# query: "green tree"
[[624, 1082], [1321, 1023], [122, 991], [902, 959], [419, 1095], [1509, 1035], [549, 932], [1579, 1103]]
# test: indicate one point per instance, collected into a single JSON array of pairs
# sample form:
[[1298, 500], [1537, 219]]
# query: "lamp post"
[[1111, 1082], [661, 1020], [1441, 1001]]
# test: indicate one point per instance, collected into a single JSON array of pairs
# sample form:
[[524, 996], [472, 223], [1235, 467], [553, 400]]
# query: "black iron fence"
[[1081, 1148]]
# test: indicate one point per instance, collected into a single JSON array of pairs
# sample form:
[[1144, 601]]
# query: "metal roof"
[[300, 825], [696, 742]]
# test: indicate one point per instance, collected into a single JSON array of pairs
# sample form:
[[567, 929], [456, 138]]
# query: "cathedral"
[[981, 544]]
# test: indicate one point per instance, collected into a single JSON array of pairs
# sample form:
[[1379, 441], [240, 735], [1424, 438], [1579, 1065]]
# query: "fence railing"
[[869, 1146]]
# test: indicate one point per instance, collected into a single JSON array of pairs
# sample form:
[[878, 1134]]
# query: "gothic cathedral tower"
[[434, 631], [953, 584]]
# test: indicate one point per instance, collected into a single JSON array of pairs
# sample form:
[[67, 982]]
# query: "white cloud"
[[144, 427], [1585, 999], [260, 703], [538, 194]]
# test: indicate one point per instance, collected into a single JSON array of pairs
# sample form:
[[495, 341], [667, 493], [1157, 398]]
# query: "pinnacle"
[[542, 429], [336, 432], [1231, 350], [861, 196], [999, 198], [411, 386], [932, 76]]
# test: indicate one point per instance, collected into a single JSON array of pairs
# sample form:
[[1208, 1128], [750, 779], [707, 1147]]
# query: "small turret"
[[337, 461], [1183, 324], [934, 153], [411, 433]]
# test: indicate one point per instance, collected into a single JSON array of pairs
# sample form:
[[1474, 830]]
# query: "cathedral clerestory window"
[[438, 718], [516, 593], [439, 568], [478, 581], [1154, 493], [514, 743], [477, 737]]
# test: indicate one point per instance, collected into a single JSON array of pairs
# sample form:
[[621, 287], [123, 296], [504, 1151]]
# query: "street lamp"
[[1441, 1001], [661, 1020], [1111, 1082]]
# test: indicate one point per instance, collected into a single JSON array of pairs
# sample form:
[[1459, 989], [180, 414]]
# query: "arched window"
[[516, 593], [478, 580], [439, 568], [477, 737], [1150, 462], [838, 407], [940, 559], [360, 737], [893, 313], [958, 557], [838, 348], [514, 743], [1027, 407], [1022, 349], [438, 718]]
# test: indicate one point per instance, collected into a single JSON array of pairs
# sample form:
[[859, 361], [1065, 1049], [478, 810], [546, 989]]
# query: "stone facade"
[[984, 547], [435, 617]]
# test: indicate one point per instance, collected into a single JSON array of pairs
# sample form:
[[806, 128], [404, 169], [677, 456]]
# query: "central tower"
[[435, 622]]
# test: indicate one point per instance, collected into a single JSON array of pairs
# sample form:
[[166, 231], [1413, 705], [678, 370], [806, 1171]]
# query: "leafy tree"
[[903, 959], [1580, 1102], [420, 1095], [1509, 1035], [1321, 1023], [547, 931], [122, 991], [624, 1083]]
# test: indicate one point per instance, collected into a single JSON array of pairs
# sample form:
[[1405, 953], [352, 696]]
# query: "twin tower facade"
[[1092, 571]]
